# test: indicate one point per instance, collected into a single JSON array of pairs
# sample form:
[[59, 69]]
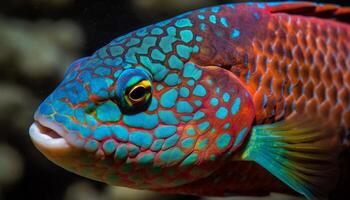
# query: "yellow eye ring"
[[139, 93]]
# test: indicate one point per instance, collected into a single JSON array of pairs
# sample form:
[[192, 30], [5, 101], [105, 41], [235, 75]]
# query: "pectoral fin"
[[299, 152]]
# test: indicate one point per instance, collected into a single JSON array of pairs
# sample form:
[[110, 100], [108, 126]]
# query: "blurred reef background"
[[38, 40]]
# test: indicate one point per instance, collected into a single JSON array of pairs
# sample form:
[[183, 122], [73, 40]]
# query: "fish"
[[235, 99]]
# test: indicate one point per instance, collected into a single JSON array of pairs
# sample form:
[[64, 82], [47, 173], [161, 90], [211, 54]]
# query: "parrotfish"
[[247, 98]]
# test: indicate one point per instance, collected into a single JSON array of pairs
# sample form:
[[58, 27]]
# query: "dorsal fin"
[[329, 11]]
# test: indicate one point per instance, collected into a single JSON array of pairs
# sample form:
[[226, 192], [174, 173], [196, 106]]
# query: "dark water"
[[37, 40]]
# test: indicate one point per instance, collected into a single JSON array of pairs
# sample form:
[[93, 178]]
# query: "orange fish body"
[[294, 59]]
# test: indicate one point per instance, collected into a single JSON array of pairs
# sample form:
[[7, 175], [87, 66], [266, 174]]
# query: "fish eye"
[[134, 90], [139, 92]]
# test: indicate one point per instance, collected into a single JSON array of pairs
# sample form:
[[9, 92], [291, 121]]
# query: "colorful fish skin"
[[234, 99]]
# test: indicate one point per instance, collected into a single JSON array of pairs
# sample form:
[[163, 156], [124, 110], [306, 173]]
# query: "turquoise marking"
[[199, 39], [90, 120], [223, 141], [186, 118], [120, 133], [46, 109], [199, 90], [217, 90], [170, 142], [117, 73], [227, 125], [203, 126], [168, 99], [212, 19], [157, 145], [240, 136], [166, 43], [172, 155], [186, 36], [191, 71], [168, 117], [203, 26], [141, 32], [141, 120], [202, 144], [221, 113], [191, 159], [99, 87], [91, 145], [102, 132], [224, 22], [79, 115], [184, 92], [133, 150], [187, 143], [116, 50], [62, 107], [198, 103], [215, 9], [162, 132], [248, 76], [232, 6], [184, 107], [108, 112], [175, 62], [84, 131], [198, 115], [109, 146], [191, 131], [154, 104], [158, 71], [103, 71], [157, 31], [235, 106], [121, 152], [226, 97], [235, 33], [201, 17], [261, 5], [159, 87], [142, 139], [183, 51], [172, 79], [183, 23], [195, 49], [146, 158], [157, 55], [214, 101], [190, 82], [132, 42]]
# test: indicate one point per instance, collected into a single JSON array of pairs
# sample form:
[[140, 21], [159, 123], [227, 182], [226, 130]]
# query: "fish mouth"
[[47, 135]]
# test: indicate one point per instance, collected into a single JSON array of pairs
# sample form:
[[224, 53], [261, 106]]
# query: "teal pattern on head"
[[168, 117], [102, 132], [141, 120], [168, 99], [142, 139], [120, 132], [164, 131], [108, 112], [200, 91]]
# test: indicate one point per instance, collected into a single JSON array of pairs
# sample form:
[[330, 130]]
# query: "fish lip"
[[38, 132]]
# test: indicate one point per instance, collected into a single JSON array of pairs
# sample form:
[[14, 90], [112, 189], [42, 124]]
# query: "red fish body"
[[235, 99]]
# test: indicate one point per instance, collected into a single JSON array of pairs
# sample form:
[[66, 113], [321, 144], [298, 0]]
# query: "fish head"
[[139, 113]]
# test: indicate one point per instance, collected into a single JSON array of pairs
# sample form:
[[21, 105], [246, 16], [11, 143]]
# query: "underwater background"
[[38, 40]]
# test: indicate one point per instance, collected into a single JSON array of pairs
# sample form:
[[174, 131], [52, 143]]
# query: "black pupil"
[[138, 93]]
